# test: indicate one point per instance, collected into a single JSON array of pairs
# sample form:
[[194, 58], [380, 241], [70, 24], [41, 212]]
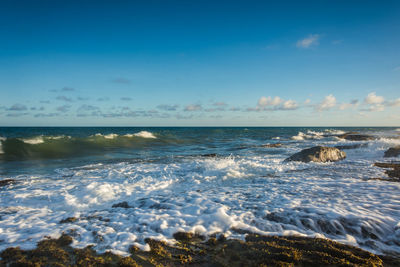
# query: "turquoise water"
[[39, 149]]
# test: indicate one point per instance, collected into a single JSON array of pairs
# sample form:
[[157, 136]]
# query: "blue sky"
[[200, 63]]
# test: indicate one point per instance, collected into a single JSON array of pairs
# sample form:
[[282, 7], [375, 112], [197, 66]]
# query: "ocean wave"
[[60, 146], [143, 134], [309, 135], [1, 144], [33, 140], [334, 132], [106, 136]]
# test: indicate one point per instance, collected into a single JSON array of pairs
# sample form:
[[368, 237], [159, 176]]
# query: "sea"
[[113, 187]]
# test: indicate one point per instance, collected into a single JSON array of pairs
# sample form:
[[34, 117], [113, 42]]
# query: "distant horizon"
[[204, 126]]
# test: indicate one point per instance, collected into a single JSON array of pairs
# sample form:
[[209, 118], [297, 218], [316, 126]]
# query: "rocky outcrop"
[[190, 250], [356, 137], [318, 154], [392, 152], [392, 169]]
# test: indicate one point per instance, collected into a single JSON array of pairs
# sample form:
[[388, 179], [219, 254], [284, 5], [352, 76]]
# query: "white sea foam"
[[34, 140], [143, 134], [206, 195], [1, 144], [107, 136], [334, 131], [257, 193], [58, 137], [309, 135]]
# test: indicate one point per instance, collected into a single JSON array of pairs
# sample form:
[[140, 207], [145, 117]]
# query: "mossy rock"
[[256, 250]]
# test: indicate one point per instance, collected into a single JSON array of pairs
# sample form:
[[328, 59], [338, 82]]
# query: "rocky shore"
[[195, 250]]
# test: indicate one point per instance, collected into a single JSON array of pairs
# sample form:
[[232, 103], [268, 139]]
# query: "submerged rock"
[[69, 220], [356, 137], [318, 154], [6, 182], [351, 146], [393, 170], [392, 152], [123, 204], [211, 155]]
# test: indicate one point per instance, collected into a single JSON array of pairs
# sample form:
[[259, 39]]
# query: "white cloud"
[[373, 99], [220, 104], [378, 107], [328, 103], [64, 108], [264, 102], [276, 103], [394, 103], [18, 107], [354, 103], [289, 105], [168, 107], [193, 108], [311, 40], [376, 103]]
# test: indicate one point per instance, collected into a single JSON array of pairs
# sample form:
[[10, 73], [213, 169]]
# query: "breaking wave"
[[38, 147]]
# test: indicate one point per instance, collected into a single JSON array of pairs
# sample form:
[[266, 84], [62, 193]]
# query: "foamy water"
[[251, 190]]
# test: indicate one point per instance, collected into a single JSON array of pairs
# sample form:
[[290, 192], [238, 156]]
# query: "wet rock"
[[255, 250], [318, 154], [393, 169], [69, 220], [58, 252], [356, 137], [6, 182], [392, 152], [123, 204], [186, 236], [211, 155], [351, 146], [276, 145]]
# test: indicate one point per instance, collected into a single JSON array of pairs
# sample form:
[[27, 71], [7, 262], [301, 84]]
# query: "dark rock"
[[351, 146], [356, 137], [391, 165], [318, 154], [69, 220], [392, 152], [186, 236], [211, 155], [393, 169], [272, 145], [6, 182], [255, 250], [123, 204]]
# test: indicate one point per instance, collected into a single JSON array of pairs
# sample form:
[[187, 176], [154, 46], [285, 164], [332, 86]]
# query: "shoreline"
[[196, 250]]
